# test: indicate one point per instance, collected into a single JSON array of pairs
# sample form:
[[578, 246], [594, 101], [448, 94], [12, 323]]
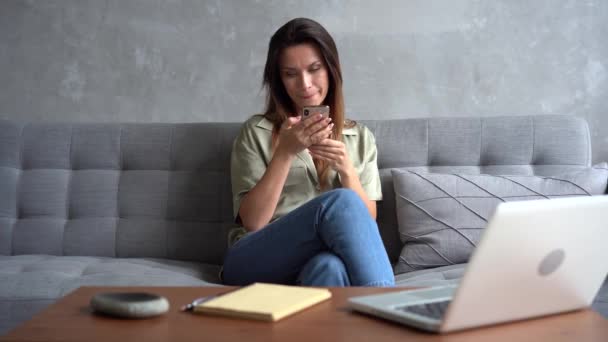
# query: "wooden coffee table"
[[70, 319]]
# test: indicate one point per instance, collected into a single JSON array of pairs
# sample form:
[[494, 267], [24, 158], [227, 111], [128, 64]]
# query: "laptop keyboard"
[[434, 310]]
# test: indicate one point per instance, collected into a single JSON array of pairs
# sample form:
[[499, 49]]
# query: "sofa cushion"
[[441, 216], [31, 282], [600, 303], [438, 276]]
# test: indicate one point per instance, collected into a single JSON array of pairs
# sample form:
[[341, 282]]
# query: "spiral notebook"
[[266, 302]]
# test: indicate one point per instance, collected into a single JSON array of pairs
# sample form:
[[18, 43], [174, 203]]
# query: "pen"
[[200, 300], [197, 301]]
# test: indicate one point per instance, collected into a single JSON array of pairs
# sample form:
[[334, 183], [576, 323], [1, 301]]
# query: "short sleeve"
[[247, 165], [370, 176]]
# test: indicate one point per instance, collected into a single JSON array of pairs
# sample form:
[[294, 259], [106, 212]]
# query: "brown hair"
[[278, 103]]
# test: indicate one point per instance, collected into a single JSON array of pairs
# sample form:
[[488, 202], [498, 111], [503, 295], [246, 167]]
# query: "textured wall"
[[198, 60]]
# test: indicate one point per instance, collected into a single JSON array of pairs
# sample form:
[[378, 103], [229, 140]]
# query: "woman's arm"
[[257, 207], [334, 152], [259, 204], [351, 181]]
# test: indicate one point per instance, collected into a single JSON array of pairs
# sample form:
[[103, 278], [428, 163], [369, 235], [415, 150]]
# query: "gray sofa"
[[150, 204]]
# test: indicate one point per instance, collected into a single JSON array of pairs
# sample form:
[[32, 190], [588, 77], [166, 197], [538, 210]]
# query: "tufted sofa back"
[[118, 190], [163, 190]]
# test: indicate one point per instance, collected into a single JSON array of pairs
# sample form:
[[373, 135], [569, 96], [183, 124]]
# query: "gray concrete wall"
[[199, 60]]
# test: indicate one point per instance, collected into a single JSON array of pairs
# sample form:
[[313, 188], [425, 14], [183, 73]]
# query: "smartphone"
[[312, 110]]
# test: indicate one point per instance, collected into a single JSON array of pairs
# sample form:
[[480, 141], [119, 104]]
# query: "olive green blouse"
[[251, 154]]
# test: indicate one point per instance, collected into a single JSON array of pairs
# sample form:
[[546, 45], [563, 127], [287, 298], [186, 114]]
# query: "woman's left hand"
[[333, 152]]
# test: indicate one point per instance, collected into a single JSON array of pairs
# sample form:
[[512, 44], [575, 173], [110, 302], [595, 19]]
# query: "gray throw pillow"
[[441, 216]]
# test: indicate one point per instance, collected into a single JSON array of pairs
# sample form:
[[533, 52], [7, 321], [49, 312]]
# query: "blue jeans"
[[329, 241]]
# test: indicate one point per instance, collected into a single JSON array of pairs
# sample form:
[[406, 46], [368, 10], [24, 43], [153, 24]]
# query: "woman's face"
[[304, 75]]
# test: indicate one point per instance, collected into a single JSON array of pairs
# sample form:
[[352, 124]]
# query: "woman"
[[294, 228]]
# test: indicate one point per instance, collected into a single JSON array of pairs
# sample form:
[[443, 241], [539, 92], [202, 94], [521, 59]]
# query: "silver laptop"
[[534, 258]]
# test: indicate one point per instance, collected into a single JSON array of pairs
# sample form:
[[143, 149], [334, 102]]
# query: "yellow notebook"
[[266, 302]]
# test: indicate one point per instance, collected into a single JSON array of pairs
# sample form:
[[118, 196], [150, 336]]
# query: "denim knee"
[[330, 263], [346, 212], [324, 269], [346, 198]]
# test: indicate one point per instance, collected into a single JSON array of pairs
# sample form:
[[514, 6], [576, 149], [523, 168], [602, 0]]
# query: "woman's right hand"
[[297, 135]]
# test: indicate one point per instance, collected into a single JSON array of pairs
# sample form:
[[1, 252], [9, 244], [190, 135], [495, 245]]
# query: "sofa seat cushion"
[[29, 283], [49, 277], [446, 275]]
